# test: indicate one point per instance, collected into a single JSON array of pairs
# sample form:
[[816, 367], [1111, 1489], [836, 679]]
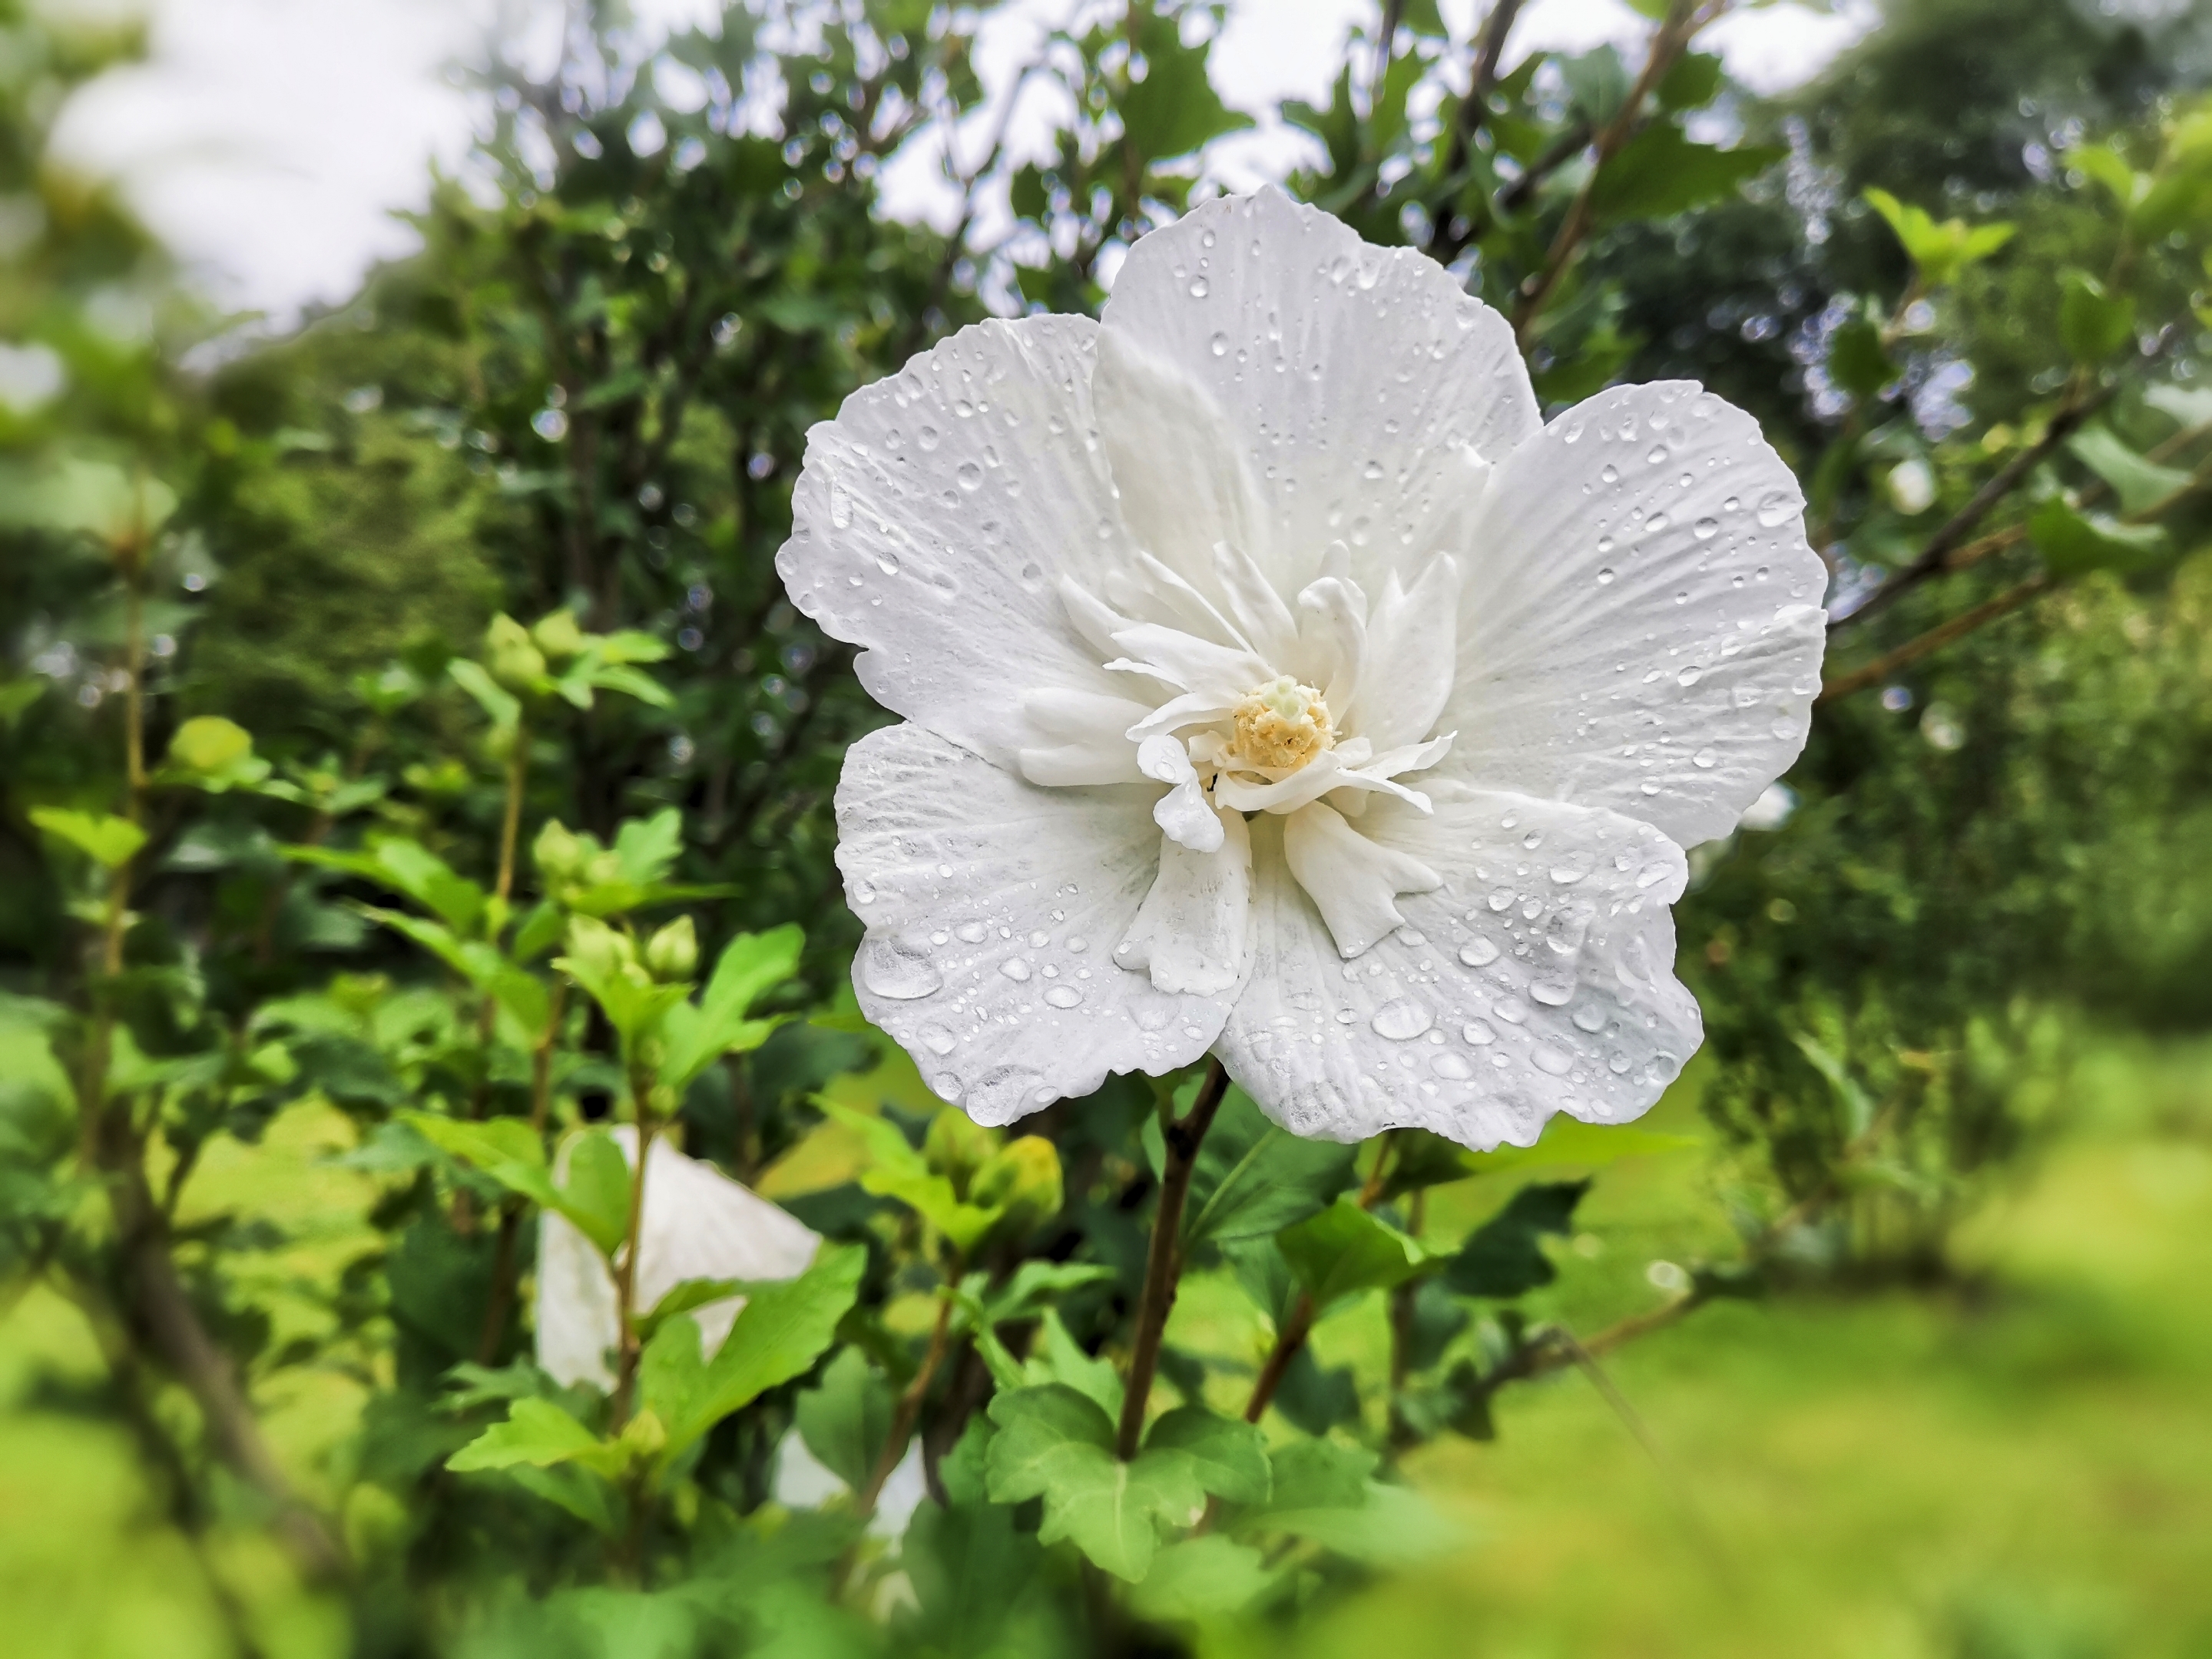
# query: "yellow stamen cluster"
[[1280, 727]]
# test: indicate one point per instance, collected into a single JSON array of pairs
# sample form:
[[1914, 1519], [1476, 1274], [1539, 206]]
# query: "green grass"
[[2024, 1474]]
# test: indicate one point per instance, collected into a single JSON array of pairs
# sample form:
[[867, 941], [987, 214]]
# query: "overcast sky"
[[270, 140]]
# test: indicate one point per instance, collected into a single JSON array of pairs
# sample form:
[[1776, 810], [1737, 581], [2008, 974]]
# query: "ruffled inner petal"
[[1192, 933], [1353, 880], [1408, 658]]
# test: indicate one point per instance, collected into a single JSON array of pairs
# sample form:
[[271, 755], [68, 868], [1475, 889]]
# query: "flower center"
[[1280, 727]]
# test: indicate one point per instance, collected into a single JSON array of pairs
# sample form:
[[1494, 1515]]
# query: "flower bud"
[[559, 853], [557, 635], [514, 662], [955, 1147], [600, 951], [673, 952], [1023, 1179]]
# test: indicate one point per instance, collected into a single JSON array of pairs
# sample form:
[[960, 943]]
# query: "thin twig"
[[1474, 111], [1674, 35], [910, 1405], [1935, 639], [1930, 561], [1164, 1260]]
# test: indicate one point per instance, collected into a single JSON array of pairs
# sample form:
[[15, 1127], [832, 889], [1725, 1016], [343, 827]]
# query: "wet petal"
[[1641, 627], [1193, 933], [1353, 377], [936, 516], [993, 908], [1353, 880], [1537, 979]]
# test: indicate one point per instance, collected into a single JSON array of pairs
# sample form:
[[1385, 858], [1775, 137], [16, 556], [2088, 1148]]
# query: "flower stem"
[[640, 1085], [510, 1219], [909, 1405], [1297, 1325], [1163, 1262], [510, 828]]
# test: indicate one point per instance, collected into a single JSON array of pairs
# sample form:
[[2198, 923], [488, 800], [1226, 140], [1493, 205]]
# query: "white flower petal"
[[993, 908], [937, 516], [1184, 660], [1183, 485], [1184, 813], [1641, 626], [1352, 376], [1537, 979], [1194, 933], [1352, 879], [698, 1223], [1083, 738], [1408, 665]]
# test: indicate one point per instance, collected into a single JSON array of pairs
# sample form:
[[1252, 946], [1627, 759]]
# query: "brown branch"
[[1297, 1326], [1683, 22], [1935, 639], [1570, 144], [1930, 561], [909, 1405], [1474, 111], [1164, 1260]]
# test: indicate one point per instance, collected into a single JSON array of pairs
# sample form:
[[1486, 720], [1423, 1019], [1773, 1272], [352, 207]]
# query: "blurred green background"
[[1954, 1120]]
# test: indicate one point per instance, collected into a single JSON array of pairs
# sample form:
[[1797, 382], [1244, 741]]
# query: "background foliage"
[[408, 762]]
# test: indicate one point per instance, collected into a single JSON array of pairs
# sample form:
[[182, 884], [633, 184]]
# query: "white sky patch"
[[270, 143]]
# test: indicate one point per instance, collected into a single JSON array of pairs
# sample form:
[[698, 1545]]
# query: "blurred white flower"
[[804, 1481], [1277, 684], [1911, 487], [698, 1223]]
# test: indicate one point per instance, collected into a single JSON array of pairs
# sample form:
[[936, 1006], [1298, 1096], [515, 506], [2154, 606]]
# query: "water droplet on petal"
[[971, 932], [1511, 1010], [1776, 508], [1478, 1032], [1198, 287], [1450, 1065], [1554, 993], [1708, 756], [1589, 1017], [1401, 1019], [1478, 953], [901, 972], [1063, 996], [1015, 970], [1557, 1062], [937, 1040], [970, 475]]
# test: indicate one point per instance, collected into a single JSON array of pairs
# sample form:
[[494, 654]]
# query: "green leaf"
[[118, 507], [1345, 1250], [1858, 363], [2111, 169], [215, 754], [537, 1432], [781, 1331], [1659, 172], [1026, 194], [1570, 1141], [1060, 1358], [502, 706], [645, 849], [845, 1420], [505, 1148], [1940, 251], [596, 1197], [1421, 1158], [1597, 83], [2140, 483], [1057, 1445], [1501, 1258], [1693, 82], [696, 1036], [1198, 1577], [1254, 1178], [1229, 1458], [1035, 1284], [2093, 323], [407, 866], [1173, 109], [895, 1170], [107, 840], [2073, 544]]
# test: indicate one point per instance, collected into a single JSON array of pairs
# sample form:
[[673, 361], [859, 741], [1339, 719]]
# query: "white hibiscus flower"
[[1277, 684], [698, 1223]]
